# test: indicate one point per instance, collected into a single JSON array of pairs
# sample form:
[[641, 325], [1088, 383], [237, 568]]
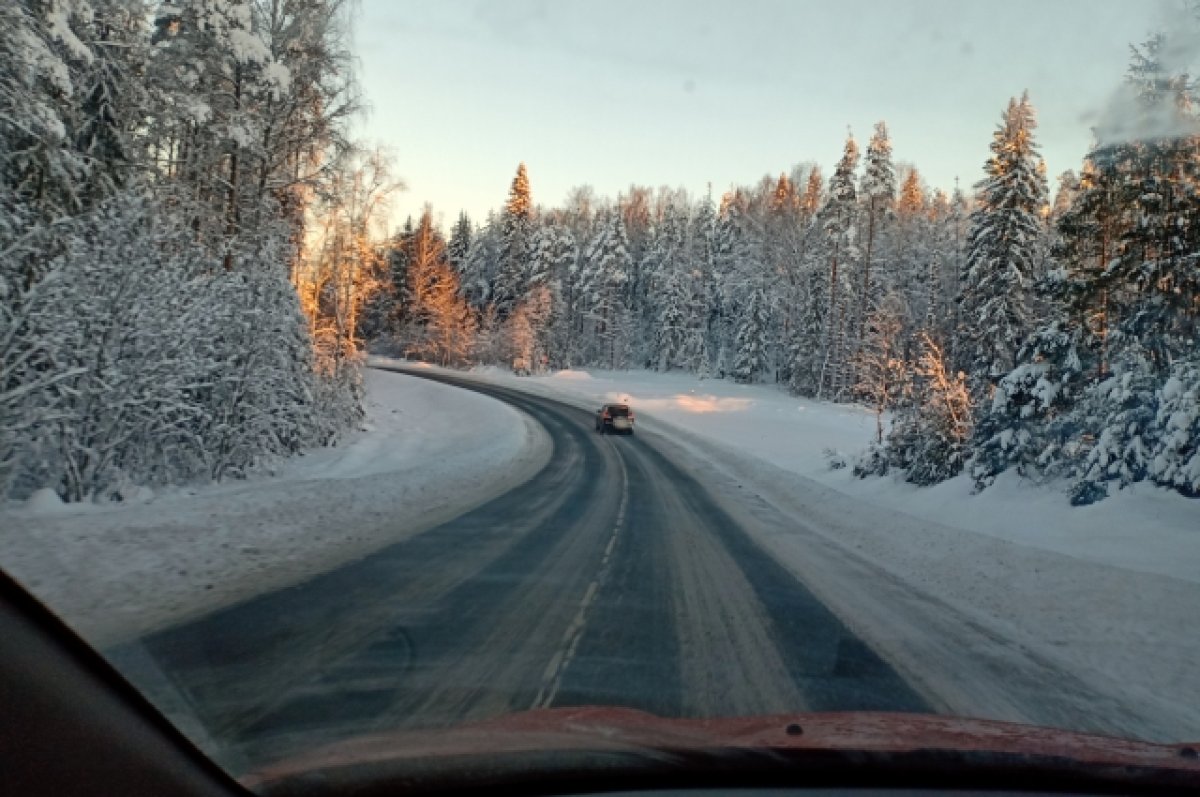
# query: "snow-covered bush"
[[1031, 424], [834, 459], [1176, 456], [152, 202], [1121, 425], [930, 436], [143, 364], [872, 462]]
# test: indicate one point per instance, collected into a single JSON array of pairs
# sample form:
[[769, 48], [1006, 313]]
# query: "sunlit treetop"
[[520, 200], [912, 195]]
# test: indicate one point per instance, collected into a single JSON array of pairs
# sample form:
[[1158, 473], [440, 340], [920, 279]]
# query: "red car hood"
[[607, 731]]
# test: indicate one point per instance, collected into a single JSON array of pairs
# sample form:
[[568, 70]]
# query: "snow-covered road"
[[1006, 605], [1010, 604], [426, 452]]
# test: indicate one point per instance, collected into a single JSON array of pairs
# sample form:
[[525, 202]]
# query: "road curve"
[[611, 577]]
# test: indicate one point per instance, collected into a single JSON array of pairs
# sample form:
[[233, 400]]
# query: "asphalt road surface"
[[611, 578]]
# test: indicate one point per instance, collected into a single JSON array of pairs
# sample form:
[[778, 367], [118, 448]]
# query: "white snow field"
[[1008, 604], [425, 453]]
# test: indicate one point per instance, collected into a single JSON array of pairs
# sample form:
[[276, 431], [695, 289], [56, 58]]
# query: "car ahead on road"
[[614, 418]]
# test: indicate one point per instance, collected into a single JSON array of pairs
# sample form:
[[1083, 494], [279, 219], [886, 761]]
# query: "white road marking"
[[556, 668]]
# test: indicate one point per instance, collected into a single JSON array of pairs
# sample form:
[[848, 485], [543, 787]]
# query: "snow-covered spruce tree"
[[936, 305], [1124, 302], [1153, 283], [672, 332], [1033, 422], [878, 194], [602, 286], [750, 355], [729, 250], [702, 310], [524, 332], [459, 244], [1002, 250], [477, 273], [516, 234], [882, 372], [554, 262], [785, 242], [930, 436], [805, 354], [661, 289], [839, 224], [1123, 406]]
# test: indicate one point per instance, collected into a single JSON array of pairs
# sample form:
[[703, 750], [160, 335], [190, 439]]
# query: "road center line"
[[557, 667]]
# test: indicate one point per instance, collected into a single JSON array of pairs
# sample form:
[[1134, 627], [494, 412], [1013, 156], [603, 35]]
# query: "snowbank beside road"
[[426, 453], [1143, 528], [1009, 604]]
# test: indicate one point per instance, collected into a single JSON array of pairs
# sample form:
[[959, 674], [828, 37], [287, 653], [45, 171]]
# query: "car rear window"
[[618, 412]]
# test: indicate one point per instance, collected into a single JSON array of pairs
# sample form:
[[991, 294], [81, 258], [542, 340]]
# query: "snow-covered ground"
[[426, 451], [985, 600]]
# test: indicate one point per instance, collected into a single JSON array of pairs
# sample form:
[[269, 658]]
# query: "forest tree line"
[[998, 329]]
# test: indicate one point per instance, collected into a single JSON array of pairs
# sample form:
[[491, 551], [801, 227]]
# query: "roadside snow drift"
[[426, 453]]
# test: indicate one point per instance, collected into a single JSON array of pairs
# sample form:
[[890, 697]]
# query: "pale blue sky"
[[690, 93]]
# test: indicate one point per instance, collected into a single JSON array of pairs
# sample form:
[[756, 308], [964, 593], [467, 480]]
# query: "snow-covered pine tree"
[[1006, 232]]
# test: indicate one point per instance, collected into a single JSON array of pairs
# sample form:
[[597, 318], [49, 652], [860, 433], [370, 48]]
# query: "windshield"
[[306, 308]]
